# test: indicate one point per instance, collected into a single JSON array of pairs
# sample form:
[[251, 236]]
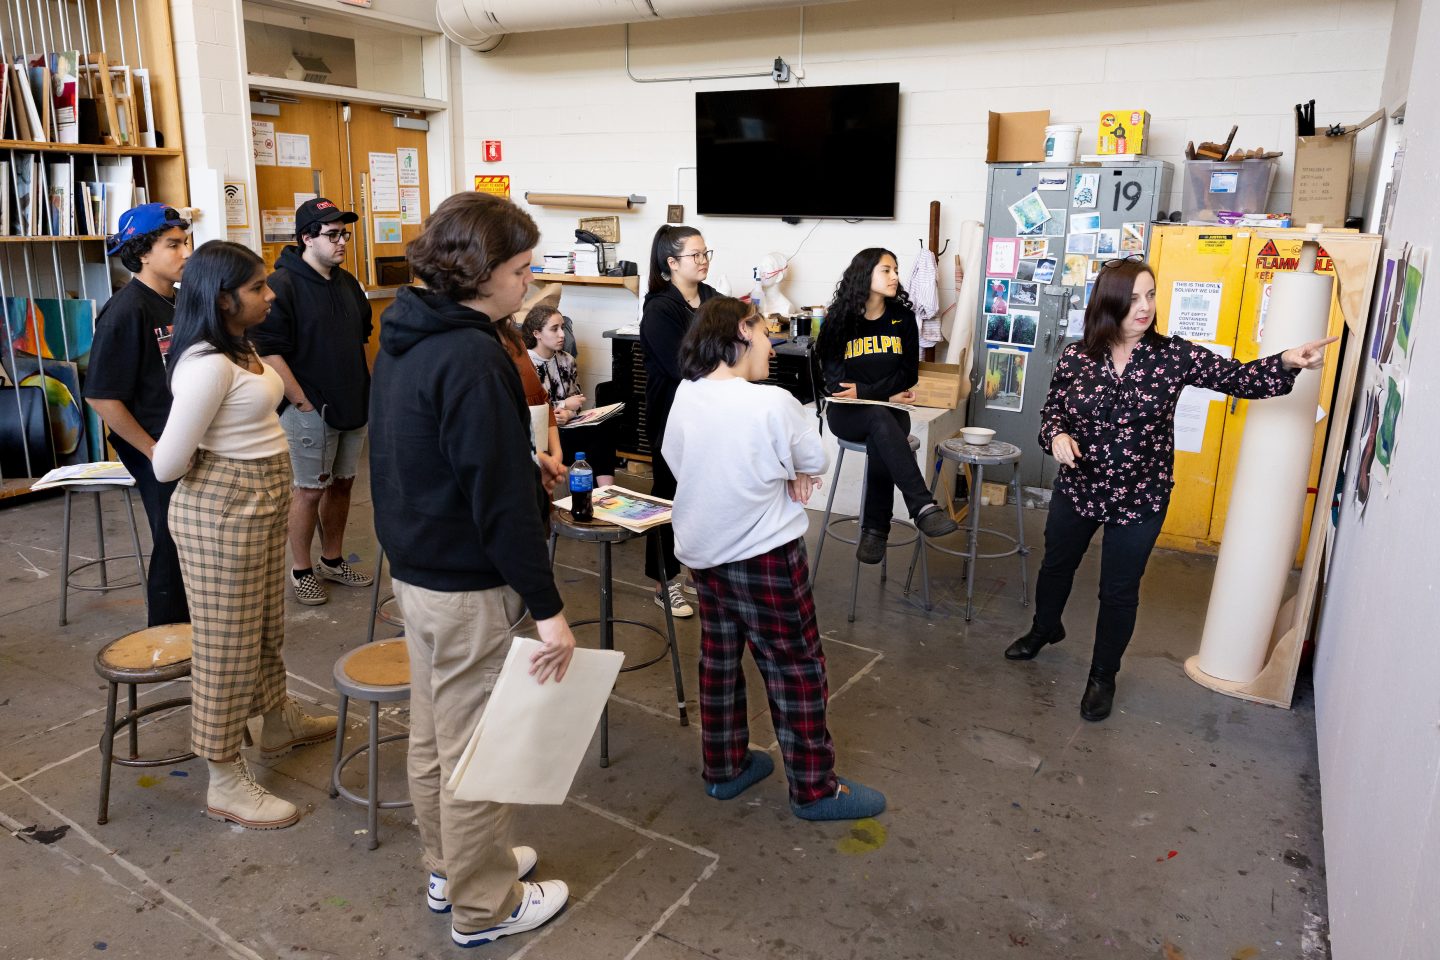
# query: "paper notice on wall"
[[1192, 410], [262, 140], [384, 183], [409, 161], [277, 226], [1195, 309], [237, 213], [292, 149], [387, 230], [1075, 323], [410, 206]]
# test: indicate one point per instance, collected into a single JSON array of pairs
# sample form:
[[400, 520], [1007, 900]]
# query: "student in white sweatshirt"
[[746, 460]]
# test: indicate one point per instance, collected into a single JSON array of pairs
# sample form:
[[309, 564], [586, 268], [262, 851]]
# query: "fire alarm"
[[492, 151]]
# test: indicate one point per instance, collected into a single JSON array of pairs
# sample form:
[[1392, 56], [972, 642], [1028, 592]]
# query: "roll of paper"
[[1262, 527]]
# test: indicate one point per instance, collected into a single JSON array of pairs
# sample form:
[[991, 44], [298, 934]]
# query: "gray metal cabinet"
[[1016, 348]]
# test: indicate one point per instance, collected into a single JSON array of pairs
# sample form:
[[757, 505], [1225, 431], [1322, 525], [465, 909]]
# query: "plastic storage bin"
[[1213, 185]]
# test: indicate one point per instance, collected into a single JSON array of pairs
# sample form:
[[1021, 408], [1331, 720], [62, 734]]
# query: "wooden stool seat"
[[153, 655], [383, 664], [147, 656]]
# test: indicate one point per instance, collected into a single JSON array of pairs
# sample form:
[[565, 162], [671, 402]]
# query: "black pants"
[[1124, 553], [885, 432], [165, 587], [662, 486]]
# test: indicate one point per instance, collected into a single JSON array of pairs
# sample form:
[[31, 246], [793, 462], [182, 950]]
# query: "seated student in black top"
[[544, 333], [126, 385], [870, 350]]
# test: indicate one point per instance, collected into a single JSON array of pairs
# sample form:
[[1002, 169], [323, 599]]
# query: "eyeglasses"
[[1133, 258], [704, 255], [336, 236]]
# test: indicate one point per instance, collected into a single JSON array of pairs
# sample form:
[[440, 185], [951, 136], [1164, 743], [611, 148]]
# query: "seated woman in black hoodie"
[[870, 350], [679, 264], [458, 508]]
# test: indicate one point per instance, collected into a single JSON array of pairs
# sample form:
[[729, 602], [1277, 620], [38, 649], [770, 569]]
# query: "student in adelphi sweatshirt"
[[870, 350], [747, 459]]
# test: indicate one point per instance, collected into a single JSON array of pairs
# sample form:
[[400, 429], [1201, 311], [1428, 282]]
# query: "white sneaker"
[[539, 902], [437, 896], [679, 606], [234, 795], [288, 726]]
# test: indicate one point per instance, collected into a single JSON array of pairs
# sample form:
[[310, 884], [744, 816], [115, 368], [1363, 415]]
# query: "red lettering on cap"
[[324, 205]]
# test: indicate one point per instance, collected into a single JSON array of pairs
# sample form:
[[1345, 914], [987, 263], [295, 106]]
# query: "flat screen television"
[[798, 152]]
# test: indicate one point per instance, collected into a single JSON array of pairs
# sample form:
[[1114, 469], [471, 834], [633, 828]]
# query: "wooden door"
[[277, 186], [373, 132]]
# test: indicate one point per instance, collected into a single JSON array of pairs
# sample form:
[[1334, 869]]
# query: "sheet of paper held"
[[528, 744]]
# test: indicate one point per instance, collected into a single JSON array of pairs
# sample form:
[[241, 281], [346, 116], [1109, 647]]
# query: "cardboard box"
[[1017, 137], [1122, 132], [1324, 169], [939, 386]]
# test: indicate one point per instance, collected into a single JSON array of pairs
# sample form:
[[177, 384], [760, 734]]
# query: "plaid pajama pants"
[[764, 602], [228, 518]]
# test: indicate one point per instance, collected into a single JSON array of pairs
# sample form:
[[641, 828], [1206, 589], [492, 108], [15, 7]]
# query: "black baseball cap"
[[320, 210]]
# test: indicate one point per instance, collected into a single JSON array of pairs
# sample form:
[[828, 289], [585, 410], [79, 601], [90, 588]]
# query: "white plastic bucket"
[[1062, 142]]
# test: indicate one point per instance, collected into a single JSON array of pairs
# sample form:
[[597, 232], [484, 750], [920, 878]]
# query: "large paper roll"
[[1262, 527]]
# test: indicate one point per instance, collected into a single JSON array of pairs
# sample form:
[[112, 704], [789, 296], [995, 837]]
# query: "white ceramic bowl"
[[977, 436]]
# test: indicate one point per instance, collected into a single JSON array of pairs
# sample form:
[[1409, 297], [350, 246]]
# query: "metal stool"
[[992, 454], [153, 655], [377, 606], [607, 535], [377, 672], [66, 570], [827, 522]]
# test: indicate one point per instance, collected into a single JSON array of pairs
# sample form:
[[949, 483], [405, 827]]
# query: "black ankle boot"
[[1099, 697], [1030, 645]]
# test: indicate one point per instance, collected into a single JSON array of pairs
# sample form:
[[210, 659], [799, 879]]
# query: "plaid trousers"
[[228, 518], [764, 602]]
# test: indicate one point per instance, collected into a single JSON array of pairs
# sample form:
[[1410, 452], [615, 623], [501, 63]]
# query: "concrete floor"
[[1187, 825]]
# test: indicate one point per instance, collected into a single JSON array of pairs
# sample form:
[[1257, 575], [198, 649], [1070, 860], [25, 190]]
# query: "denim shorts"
[[318, 452]]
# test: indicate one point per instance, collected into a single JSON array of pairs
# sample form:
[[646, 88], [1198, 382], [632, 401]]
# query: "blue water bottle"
[[582, 482]]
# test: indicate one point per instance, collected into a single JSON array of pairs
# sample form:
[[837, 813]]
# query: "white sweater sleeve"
[[807, 450], [199, 386]]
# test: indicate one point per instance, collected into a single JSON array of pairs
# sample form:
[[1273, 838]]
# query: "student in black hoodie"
[[458, 509], [679, 264], [315, 339], [870, 350]]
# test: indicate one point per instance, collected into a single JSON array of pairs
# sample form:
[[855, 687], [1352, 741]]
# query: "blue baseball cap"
[[138, 221]]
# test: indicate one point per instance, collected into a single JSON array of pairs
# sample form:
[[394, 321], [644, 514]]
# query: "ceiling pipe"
[[482, 24]]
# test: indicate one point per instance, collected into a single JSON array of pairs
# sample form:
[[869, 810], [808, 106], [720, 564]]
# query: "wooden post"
[[928, 355]]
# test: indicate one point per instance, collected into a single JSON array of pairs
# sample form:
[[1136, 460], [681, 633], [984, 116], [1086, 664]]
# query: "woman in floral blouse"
[[1109, 420]]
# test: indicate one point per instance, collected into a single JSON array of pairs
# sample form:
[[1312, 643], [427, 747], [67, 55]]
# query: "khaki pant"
[[228, 518], [458, 643]]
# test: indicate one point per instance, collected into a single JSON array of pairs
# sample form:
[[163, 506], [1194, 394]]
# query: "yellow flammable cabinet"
[[1213, 286]]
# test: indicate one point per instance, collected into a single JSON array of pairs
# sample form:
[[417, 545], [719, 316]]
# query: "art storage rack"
[[115, 65]]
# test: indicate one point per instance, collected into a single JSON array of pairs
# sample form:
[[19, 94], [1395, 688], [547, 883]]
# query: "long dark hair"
[[1109, 305], [219, 266], [669, 241], [535, 321], [714, 337], [465, 239], [847, 307]]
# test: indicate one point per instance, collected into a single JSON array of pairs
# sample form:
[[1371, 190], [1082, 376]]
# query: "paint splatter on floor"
[[1169, 856], [866, 836], [147, 781], [1172, 952], [38, 835], [336, 902], [1245, 953]]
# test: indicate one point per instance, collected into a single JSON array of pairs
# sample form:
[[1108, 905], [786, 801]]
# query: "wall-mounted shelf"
[[36, 146], [45, 239], [630, 283]]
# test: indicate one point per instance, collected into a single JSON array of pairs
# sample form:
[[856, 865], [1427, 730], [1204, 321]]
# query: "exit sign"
[[492, 151]]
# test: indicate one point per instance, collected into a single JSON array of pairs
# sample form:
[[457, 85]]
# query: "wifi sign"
[[236, 209]]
